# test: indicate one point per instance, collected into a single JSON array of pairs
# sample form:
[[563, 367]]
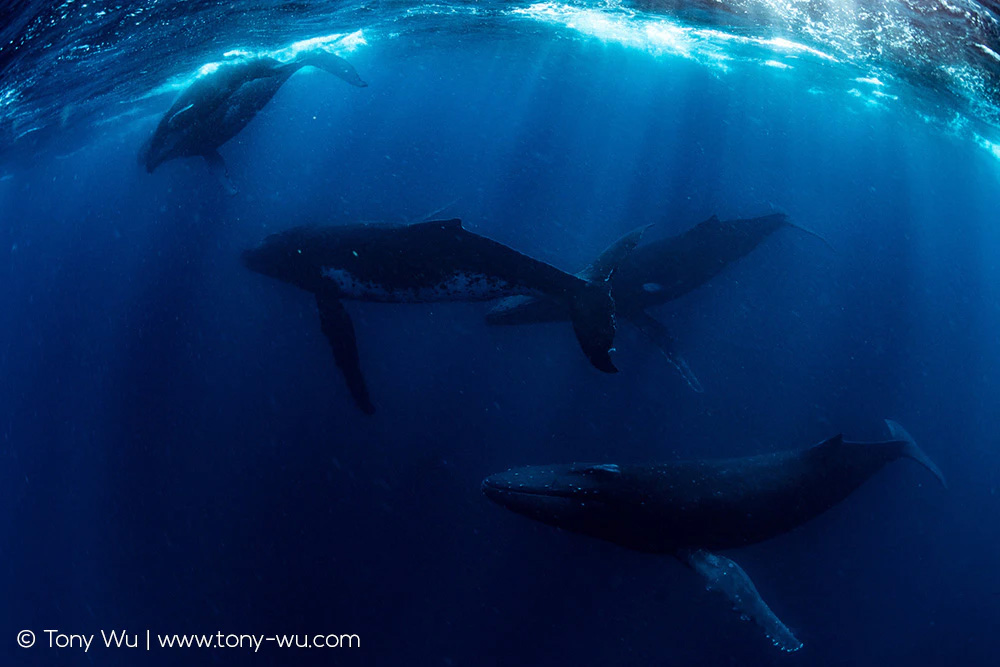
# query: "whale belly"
[[459, 286]]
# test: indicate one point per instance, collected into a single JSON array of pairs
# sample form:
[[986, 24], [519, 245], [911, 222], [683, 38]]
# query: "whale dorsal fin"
[[835, 441], [724, 575], [600, 470]]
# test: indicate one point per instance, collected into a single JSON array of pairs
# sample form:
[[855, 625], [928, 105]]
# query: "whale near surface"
[[218, 105]]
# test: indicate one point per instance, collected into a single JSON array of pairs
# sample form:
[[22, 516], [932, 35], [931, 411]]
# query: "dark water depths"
[[179, 455]]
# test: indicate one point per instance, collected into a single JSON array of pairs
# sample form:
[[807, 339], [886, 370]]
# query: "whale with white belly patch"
[[429, 262]]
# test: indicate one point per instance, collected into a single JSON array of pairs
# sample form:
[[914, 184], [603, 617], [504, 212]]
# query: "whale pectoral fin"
[[723, 575], [339, 332], [660, 336], [178, 116], [217, 166]]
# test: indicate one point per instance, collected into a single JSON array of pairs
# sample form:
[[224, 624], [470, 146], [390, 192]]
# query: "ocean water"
[[179, 455]]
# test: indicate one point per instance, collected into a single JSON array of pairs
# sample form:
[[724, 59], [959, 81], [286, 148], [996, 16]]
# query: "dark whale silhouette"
[[218, 105], [656, 273], [689, 508], [426, 262]]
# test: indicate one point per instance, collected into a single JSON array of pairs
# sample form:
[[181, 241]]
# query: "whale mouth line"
[[505, 488]]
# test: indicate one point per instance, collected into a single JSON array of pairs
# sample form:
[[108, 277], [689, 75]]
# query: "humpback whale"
[[656, 273], [688, 509], [218, 105], [425, 262]]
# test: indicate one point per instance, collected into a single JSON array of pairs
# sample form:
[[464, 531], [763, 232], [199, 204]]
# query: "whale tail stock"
[[592, 306], [910, 450], [328, 62]]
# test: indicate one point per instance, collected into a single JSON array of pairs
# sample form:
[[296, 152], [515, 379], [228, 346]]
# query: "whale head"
[[581, 497], [147, 157], [161, 146], [284, 256]]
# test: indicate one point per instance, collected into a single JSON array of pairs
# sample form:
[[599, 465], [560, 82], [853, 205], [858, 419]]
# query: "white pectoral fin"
[[724, 575], [178, 116]]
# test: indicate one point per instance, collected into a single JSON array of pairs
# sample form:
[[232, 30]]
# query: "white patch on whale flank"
[[460, 286]]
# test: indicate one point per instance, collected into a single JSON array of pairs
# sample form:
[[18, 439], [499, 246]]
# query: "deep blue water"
[[179, 454]]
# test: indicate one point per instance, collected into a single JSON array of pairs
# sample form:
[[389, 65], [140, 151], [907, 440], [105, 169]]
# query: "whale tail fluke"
[[809, 232], [593, 313], [534, 309], [602, 269], [604, 266], [911, 450], [592, 307], [335, 65]]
